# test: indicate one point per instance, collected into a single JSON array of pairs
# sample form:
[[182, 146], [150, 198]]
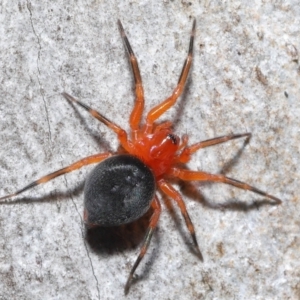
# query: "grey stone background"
[[245, 78]]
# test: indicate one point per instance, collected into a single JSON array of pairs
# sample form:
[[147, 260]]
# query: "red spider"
[[122, 187]]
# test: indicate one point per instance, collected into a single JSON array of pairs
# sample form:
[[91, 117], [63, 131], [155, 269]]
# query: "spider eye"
[[173, 138]]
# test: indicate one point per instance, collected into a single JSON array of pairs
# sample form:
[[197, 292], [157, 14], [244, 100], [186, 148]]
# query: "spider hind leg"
[[188, 175], [77, 165], [152, 225], [173, 194]]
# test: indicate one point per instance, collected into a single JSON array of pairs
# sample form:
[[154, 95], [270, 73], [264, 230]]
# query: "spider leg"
[[172, 193], [152, 225], [77, 165], [158, 110], [186, 153], [184, 141], [188, 175], [137, 111], [122, 135], [164, 125]]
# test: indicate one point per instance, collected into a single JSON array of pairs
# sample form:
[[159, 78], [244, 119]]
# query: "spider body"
[[118, 191], [157, 150], [123, 187]]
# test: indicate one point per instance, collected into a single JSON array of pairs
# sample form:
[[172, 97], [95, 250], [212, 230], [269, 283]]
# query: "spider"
[[122, 187]]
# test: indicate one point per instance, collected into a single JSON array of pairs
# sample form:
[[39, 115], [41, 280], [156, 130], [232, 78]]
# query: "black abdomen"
[[118, 191]]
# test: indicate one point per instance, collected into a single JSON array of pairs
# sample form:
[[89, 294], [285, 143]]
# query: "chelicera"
[[123, 186]]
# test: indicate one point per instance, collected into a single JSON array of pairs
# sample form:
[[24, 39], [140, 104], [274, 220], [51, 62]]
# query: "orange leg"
[[137, 112], [188, 175], [122, 135], [77, 165], [152, 225], [158, 110], [186, 153], [164, 125], [184, 141], [172, 193]]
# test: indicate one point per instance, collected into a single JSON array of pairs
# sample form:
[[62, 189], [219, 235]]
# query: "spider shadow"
[[233, 161], [106, 240], [113, 240], [179, 106], [95, 136], [110, 240], [181, 102], [190, 190], [52, 196]]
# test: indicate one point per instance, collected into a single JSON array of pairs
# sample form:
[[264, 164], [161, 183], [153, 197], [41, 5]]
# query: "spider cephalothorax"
[[122, 187]]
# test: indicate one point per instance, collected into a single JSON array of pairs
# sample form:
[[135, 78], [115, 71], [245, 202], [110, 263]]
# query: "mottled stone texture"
[[245, 78]]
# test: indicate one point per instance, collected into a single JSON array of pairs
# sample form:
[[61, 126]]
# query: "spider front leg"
[[122, 135], [152, 225], [172, 193], [186, 153], [158, 110], [188, 175], [77, 165], [137, 111]]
